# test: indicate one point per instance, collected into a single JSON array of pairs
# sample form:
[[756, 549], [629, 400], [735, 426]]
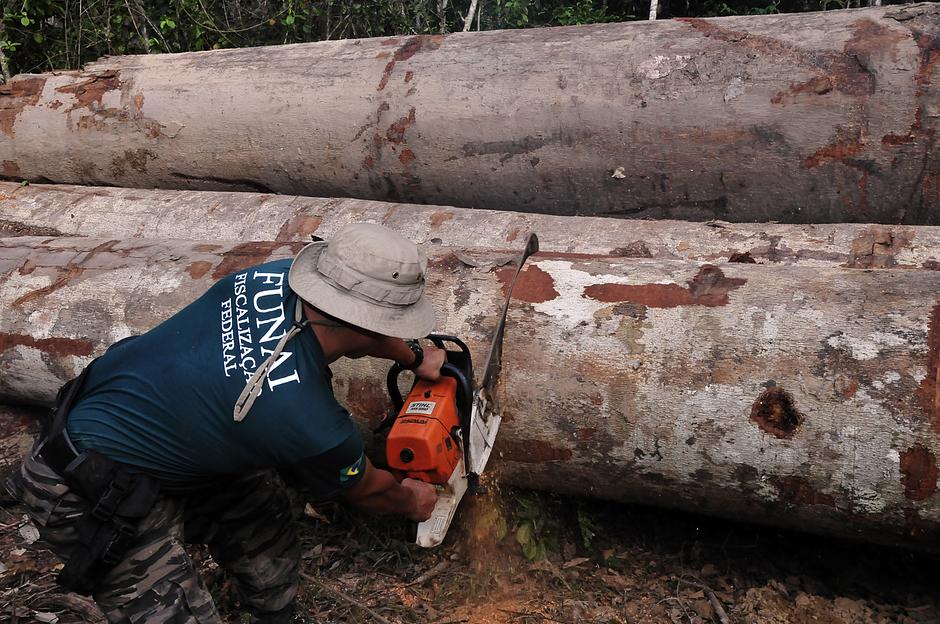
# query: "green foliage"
[[538, 525], [42, 35], [584, 12], [587, 527]]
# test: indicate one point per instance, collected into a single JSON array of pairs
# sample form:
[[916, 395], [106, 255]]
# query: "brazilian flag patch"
[[353, 471]]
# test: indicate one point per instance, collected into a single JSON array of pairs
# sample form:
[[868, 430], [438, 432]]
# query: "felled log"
[[64, 210], [804, 397], [816, 117]]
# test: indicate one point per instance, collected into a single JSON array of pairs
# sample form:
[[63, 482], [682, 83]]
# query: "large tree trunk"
[[818, 117], [801, 396], [62, 210]]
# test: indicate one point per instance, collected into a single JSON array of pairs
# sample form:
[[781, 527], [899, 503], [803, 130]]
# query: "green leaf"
[[540, 551], [38, 38], [289, 20], [587, 528], [24, 21], [501, 528], [524, 534], [530, 550]]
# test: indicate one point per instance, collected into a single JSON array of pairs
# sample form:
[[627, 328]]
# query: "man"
[[183, 433]]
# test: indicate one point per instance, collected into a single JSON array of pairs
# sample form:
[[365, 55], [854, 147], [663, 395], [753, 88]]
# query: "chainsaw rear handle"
[[459, 366]]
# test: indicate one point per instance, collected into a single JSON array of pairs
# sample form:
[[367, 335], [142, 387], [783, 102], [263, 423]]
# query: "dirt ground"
[[524, 558]]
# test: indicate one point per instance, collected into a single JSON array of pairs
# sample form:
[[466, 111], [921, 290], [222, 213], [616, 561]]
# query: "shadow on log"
[[64, 210]]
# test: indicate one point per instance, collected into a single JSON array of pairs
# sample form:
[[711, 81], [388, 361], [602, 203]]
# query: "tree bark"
[[817, 117], [62, 210], [798, 396]]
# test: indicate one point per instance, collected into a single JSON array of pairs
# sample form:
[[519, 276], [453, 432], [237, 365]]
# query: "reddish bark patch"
[[448, 262], [877, 247], [367, 399], [929, 390], [586, 434], [15, 96], [16, 228], [245, 255], [838, 151], [635, 249], [440, 217], [895, 140], [709, 288], [743, 258], [929, 57], [775, 412], [918, 472], [396, 132], [198, 269], [66, 275], [298, 227], [54, 346], [849, 389], [931, 265], [10, 168], [820, 85], [842, 70], [533, 286], [55, 104], [872, 38], [406, 157], [532, 451], [139, 102], [89, 92], [799, 491], [368, 162], [409, 75], [136, 159], [408, 49]]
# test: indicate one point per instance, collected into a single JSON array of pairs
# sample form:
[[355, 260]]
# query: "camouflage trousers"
[[246, 521]]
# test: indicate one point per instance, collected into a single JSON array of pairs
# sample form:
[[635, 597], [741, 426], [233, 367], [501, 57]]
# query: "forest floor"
[[587, 561]]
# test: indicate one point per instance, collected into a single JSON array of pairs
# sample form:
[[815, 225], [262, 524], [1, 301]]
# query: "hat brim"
[[414, 321]]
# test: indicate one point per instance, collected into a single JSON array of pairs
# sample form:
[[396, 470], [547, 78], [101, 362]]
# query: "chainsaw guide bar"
[[485, 419]]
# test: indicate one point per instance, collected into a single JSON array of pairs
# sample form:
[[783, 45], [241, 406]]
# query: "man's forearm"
[[388, 497], [379, 492], [393, 349]]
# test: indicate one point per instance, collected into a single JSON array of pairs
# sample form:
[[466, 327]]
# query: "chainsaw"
[[443, 431]]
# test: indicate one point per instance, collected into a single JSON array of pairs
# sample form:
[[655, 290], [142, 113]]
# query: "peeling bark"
[[797, 396], [62, 210], [817, 117]]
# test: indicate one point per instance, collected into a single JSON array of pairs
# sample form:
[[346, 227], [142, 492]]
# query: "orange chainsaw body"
[[421, 443]]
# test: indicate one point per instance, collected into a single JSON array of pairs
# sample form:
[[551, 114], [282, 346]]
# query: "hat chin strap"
[[252, 389]]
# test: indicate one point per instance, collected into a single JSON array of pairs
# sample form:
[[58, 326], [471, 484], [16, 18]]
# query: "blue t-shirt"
[[162, 402]]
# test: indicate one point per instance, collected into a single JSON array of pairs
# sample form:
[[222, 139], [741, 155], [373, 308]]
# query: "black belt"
[[58, 451]]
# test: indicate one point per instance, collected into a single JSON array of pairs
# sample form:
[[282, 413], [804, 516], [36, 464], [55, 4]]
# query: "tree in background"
[[43, 35]]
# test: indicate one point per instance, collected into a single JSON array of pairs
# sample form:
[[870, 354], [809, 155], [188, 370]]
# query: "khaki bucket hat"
[[368, 276]]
